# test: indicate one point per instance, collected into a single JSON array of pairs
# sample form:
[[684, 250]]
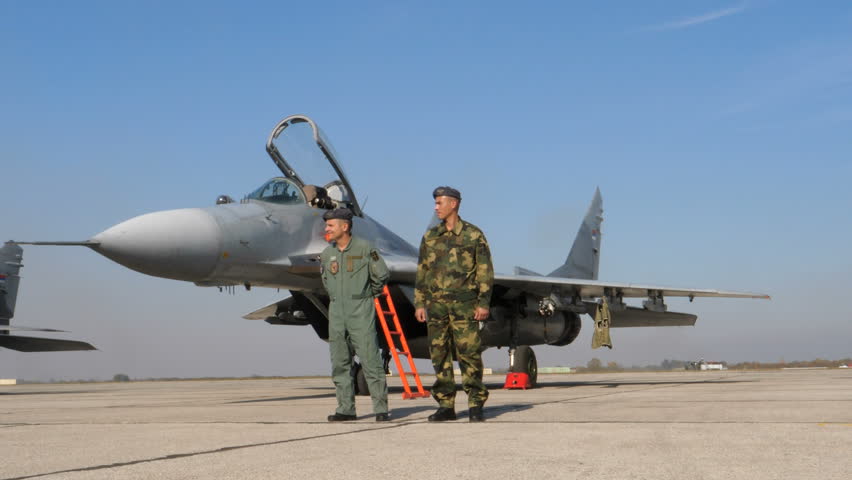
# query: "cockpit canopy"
[[297, 140]]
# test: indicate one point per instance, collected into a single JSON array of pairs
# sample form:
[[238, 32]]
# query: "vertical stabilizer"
[[584, 258], [10, 264], [11, 255]]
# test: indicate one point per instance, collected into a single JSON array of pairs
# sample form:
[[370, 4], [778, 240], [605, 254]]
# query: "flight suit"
[[353, 277], [454, 277]]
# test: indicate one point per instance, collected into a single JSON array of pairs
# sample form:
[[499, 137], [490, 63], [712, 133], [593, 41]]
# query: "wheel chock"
[[516, 380]]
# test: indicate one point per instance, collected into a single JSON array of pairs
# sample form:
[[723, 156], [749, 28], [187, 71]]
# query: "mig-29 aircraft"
[[273, 238]]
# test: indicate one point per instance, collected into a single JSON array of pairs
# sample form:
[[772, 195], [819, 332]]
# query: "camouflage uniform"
[[454, 277], [352, 278]]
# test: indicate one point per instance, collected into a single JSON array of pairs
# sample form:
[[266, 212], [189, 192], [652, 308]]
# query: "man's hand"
[[480, 315], [420, 315]]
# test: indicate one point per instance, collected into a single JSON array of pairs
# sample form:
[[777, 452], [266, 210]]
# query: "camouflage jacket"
[[454, 265]]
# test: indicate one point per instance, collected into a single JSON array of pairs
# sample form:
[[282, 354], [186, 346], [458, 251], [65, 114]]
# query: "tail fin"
[[582, 262], [11, 255], [10, 264]]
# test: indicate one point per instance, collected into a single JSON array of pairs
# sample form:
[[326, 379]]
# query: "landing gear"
[[386, 358], [359, 380], [522, 360]]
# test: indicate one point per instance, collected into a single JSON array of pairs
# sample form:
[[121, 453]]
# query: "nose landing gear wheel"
[[525, 362]]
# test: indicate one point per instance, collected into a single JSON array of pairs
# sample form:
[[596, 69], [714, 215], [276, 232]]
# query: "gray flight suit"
[[353, 278]]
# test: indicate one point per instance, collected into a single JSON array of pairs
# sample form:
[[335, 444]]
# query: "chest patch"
[[334, 267], [350, 262]]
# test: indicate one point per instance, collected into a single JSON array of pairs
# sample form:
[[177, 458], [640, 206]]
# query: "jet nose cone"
[[179, 244]]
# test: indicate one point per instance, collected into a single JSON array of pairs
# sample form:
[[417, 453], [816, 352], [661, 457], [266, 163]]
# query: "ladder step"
[[407, 396]]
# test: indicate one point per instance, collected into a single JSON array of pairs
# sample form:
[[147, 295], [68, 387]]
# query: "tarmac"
[[790, 424]]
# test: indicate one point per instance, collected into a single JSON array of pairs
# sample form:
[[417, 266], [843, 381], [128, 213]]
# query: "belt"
[[465, 296]]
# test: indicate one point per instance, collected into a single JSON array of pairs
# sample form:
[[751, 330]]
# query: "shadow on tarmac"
[[284, 399], [399, 413]]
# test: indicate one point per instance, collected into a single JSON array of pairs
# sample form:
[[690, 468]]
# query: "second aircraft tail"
[[10, 264]]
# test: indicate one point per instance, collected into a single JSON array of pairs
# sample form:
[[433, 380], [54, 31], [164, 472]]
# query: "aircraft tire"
[[525, 362], [360, 381]]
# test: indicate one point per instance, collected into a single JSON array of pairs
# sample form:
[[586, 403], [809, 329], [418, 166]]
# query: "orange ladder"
[[389, 310]]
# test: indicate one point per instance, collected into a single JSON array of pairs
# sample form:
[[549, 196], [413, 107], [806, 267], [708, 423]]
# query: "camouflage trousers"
[[454, 332]]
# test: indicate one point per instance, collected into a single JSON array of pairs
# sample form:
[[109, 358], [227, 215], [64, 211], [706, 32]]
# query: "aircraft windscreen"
[[297, 145], [279, 190]]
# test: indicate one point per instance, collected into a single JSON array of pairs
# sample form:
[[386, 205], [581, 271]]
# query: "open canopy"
[[297, 140]]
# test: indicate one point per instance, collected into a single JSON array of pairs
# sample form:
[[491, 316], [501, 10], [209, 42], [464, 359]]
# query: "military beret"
[[338, 214], [446, 192]]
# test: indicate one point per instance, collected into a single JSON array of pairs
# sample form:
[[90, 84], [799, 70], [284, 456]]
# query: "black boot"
[[443, 414], [475, 414], [339, 417]]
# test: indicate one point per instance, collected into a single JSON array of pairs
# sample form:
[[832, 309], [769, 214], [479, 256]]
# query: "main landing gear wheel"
[[359, 381], [525, 362]]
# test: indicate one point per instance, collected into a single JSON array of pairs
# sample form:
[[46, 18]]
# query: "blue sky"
[[718, 133]]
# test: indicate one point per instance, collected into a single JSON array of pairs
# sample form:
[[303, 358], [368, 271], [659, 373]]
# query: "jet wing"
[[15, 328], [404, 270], [270, 310], [594, 288], [36, 344]]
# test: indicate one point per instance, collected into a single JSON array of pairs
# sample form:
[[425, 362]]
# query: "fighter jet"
[[273, 238], [11, 256]]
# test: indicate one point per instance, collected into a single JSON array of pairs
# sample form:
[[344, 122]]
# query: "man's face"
[[444, 206], [335, 228]]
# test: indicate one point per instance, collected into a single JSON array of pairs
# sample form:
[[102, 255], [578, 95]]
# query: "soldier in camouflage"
[[353, 273], [453, 290]]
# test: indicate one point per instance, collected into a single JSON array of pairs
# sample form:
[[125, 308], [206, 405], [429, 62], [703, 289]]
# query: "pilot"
[[353, 273], [453, 290], [317, 197]]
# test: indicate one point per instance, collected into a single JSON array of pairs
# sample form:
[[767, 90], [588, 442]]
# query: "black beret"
[[446, 192], [338, 214]]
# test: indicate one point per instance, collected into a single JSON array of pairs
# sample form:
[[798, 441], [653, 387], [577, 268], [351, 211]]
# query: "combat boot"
[[339, 417], [475, 414], [443, 414]]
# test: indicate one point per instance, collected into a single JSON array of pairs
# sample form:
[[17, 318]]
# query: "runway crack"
[[177, 456]]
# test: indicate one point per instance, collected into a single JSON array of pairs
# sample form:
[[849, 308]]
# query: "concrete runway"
[[679, 425]]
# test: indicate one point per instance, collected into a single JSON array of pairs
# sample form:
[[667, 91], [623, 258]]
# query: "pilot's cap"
[[338, 214], [446, 192]]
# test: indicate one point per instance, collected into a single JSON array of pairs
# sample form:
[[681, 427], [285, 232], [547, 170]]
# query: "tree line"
[[597, 365]]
